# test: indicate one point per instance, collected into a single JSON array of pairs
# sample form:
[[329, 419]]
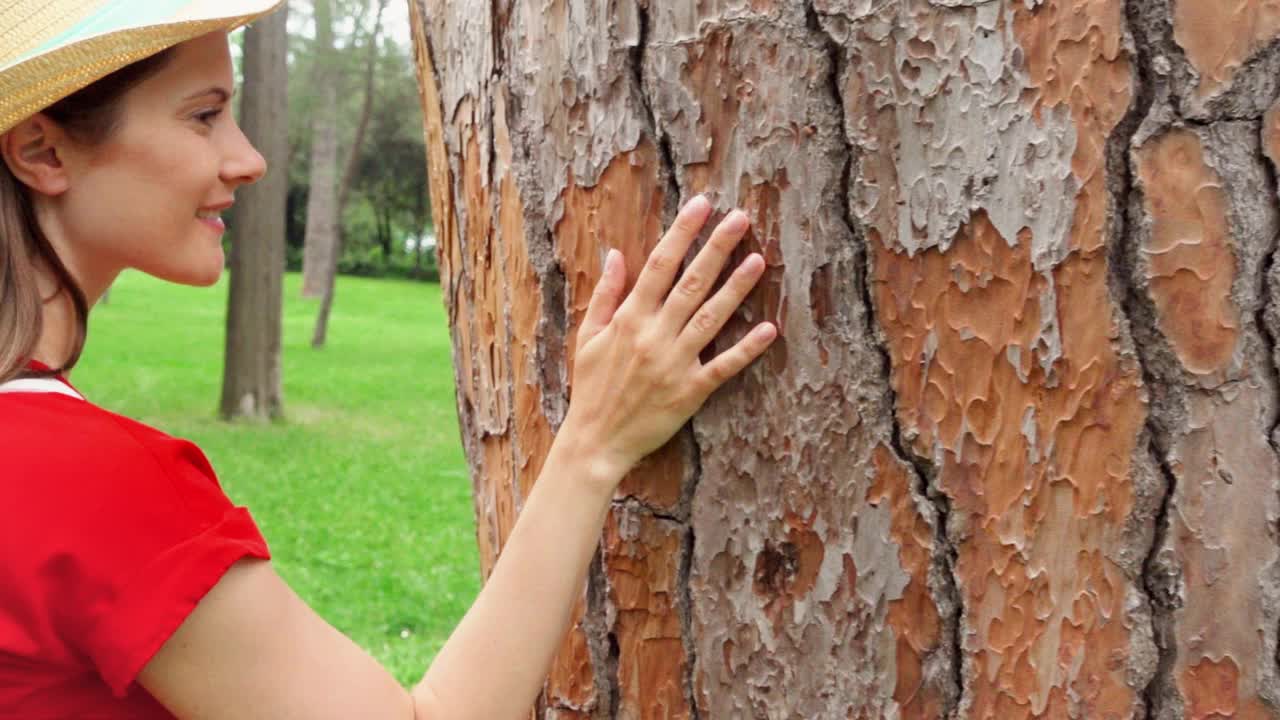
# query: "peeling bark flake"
[[642, 554], [1191, 267], [1220, 36]]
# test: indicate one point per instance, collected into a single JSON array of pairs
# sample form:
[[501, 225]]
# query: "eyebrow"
[[223, 94]]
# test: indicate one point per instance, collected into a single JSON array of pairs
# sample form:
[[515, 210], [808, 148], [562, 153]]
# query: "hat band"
[[108, 16]]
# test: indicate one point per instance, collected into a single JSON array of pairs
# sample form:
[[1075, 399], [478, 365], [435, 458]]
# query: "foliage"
[[390, 185], [371, 263], [363, 490]]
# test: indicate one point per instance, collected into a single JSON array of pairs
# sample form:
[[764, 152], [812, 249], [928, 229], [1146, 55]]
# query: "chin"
[[204, 274], [191, 279], [208, 280], [209, 275]]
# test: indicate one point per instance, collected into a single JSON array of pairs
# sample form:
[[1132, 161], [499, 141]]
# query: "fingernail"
[[766, 332], [699, 202], [737, 221], [611, 257]]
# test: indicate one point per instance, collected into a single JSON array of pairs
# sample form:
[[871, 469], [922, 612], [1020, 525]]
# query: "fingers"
[[701, 274], [736, 359], [707, 322], [605, 298], [660, 270]]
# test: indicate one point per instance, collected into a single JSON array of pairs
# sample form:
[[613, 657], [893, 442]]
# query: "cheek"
[[113, 214], [144, 217], [139, 192]]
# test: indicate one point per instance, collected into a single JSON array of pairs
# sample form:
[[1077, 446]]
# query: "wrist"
[[595, 466]]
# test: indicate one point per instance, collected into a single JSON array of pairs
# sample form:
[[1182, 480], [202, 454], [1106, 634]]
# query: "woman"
[[130, 587]]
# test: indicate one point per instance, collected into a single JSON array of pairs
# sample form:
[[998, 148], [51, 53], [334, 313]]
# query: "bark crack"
[[427, 47], [552, 333], [684, 513], [1267, 306], [602, 644], [684, 592], [662, 140], [925, 479], [926, 482], [634, 503], [1158, 583]]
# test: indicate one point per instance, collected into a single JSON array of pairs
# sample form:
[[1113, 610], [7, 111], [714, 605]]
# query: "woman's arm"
[[252, 649], [494, 664]]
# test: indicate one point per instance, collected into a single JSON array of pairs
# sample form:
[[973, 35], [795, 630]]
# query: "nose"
[[242, 164]]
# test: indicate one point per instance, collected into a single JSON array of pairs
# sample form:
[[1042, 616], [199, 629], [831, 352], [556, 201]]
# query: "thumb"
[[605, 298]]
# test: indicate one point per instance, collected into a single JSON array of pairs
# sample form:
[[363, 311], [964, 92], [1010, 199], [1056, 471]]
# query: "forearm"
[[496, 660]]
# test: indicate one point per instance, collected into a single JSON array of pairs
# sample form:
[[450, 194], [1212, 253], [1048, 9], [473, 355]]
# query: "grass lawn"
[[362, 492]]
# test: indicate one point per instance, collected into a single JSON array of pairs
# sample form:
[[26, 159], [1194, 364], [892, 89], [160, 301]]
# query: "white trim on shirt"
[[39, 385]]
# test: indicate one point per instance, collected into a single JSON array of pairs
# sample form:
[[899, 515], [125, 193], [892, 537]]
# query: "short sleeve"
[[141, 532], [146, 607]]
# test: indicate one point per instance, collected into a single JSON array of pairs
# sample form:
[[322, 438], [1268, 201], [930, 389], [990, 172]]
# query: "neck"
[[58, 322], [58, 331]]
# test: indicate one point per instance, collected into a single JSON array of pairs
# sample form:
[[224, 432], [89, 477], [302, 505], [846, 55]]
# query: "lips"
[[213, 221], [212, 218]]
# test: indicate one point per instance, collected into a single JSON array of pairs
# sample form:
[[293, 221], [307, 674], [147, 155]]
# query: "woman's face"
[[151, 195]]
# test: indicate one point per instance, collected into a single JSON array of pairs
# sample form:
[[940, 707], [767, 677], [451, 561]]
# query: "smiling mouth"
[[213, 220]]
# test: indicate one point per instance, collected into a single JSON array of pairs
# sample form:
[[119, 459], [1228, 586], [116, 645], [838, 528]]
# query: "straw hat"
[[51, 48]]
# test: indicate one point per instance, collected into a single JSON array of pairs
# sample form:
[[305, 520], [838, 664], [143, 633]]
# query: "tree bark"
[[1014, 454], [251, 384], [321, 237]]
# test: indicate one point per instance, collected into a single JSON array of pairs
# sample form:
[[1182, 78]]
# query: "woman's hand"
[[637, 376]]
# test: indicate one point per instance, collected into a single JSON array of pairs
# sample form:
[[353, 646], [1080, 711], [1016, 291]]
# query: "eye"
[[208, 116]]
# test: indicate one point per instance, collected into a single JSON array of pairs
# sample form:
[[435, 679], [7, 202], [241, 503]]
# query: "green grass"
[[362, 491]]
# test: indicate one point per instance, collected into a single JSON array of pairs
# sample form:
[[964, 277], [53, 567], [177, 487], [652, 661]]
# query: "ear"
[[34, 151]]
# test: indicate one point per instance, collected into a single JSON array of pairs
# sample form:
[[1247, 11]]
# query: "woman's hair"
[[89, 116]]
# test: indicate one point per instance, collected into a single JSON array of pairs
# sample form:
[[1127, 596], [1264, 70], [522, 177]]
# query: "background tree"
[[322, 201], [251, 385], [386, 205], [354, 154], [1014, 449], [391, 177]]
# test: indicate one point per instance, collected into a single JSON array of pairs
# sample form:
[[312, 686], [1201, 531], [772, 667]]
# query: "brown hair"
[[89, 116]]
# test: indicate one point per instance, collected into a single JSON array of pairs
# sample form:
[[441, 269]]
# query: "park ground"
[[362, 490]]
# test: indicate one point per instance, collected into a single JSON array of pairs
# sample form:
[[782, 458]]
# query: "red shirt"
[[110, 533]]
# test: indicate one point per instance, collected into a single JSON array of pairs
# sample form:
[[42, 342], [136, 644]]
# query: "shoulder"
[[68, 455], [110, 531]]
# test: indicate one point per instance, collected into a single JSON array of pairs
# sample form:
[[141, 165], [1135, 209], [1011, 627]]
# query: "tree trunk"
[[1013, 455], [251, 376], [366, 108], [321, 238], [320, 333]]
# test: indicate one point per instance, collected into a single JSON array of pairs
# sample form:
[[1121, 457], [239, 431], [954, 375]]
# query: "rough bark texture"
[[251, 386], [1015, 452], [321, 238]]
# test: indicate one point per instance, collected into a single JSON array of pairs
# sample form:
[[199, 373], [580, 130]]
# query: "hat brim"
[[74, 60]]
